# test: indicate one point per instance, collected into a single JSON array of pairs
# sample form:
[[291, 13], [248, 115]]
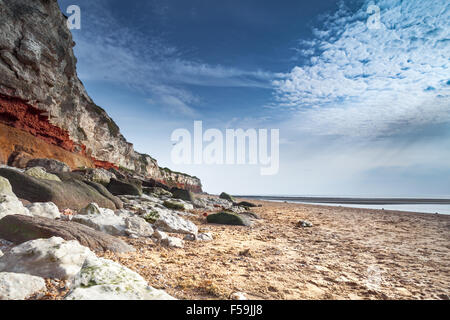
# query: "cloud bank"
[[373, 82]]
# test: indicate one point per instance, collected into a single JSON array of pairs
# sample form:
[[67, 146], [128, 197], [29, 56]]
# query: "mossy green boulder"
[[228, 218], [151, 217], [226, 196], [173, 205], [182, 194]]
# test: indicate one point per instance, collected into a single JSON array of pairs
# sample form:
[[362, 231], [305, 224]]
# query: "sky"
[[359, 94]]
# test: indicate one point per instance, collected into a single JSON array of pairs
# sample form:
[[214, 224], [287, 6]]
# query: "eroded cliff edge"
[[42, 101]]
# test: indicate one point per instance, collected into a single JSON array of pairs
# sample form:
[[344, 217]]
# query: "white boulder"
[[17, 286], [11, 205], [169, 221], [102, 279], [5, 187], [105, 221], [205, 236], [48, 258], [46, 210], [172, 242], [137, 227], [165, 240]]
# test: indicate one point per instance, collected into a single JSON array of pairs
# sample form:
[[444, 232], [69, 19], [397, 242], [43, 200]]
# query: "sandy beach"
[[347, 254]]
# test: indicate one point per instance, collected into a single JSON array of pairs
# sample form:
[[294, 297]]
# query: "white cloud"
[[176, 101], [374, 82]]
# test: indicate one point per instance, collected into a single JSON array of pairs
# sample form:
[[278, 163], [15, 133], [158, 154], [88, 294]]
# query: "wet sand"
[[349, 253]]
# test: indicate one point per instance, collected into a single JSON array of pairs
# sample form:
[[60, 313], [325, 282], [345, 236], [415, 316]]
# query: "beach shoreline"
[[348, 253]]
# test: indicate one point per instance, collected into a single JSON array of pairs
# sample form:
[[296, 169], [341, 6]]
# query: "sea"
[[435, 205]]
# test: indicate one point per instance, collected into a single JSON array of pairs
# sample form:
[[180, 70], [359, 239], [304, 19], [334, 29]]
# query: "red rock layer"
[[18, 114], [22, 146]]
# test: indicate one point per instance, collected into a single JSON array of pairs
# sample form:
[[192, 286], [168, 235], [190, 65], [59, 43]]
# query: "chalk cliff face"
[[41, 94]]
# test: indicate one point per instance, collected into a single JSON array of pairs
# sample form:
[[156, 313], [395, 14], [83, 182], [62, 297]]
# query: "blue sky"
[[361, 111]]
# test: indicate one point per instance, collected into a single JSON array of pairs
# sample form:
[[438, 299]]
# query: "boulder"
[[5, 187], [205, 237], [246, 204], [105, 221], [40, 173], [9, 203], [91, 208], [73, 194], [152, 183], [173, 205], [182, 194], [104, 192], [158, 191], [249, 215], [19, 229], [172, 242], [117, 187], [304, 224], [159, 235], [50, 165], [46, 210], [101, 279], [226, 196], [18, 286], [97, 175], [167, 241], [69, 176], [170, 222], [228, 218], [52, 258], [137, 227], [19, 159]]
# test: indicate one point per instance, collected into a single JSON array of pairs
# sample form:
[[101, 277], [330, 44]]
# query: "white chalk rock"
[[46, 210], [205, 237], [138, 227], [53, 258], [18, 286], [5, 187], [172, 242], [105, 221], [10, 205], [102, 279], [169, 221], [160, 235]]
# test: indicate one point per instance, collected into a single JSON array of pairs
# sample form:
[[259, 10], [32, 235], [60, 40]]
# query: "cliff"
[[40, 94]]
